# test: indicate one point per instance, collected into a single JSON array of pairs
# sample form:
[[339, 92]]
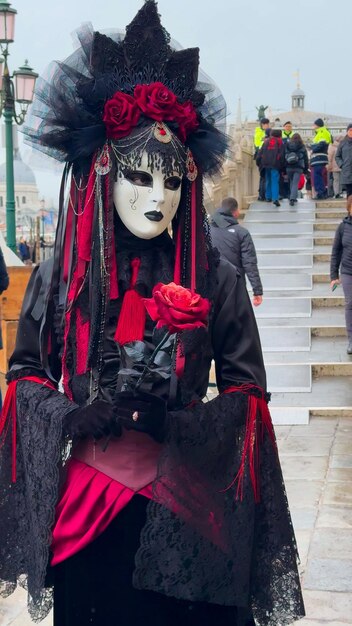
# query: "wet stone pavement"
[[317, 466]]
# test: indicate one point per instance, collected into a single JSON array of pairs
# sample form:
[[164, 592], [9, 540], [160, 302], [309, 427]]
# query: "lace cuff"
[[27, 507]]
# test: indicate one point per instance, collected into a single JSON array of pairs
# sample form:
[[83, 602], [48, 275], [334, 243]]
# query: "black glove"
[[142, 411], [93, 420]]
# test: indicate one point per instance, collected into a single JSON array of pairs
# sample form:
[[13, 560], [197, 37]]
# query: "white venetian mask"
[[147, 201]]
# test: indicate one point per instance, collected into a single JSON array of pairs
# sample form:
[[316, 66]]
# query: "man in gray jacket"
[[235, 244], [343, 158]]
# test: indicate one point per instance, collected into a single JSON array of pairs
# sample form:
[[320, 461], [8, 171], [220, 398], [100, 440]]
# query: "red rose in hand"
[[156, 101], [121, 114], [187, 120], [177, 308]]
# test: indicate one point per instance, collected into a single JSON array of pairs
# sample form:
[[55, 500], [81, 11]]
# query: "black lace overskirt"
[[201, 543]]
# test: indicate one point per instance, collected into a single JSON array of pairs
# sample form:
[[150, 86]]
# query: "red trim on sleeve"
[[9, 414], [258, 419]]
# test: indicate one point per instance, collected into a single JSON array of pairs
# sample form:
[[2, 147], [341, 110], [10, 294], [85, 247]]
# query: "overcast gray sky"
[[251, 48]]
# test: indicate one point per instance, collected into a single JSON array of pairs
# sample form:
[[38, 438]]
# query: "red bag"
[[301, 182]]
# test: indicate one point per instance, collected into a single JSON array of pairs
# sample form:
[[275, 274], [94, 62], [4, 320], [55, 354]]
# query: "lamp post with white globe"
[[14, 90]]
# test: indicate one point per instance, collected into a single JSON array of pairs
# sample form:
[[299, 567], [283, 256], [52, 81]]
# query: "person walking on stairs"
[[235, 244], [296, 160], [272, 157], [341, 266], [343, 159], [258, 140], [319, 157]]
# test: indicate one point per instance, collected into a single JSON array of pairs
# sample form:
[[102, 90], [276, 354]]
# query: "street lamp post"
[[22, 93]]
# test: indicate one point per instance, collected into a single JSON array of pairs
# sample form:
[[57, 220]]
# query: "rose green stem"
[[151, 360]]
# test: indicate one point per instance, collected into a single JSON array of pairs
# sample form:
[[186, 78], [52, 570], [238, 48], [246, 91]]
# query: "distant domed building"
[[302, 120], [26, 196]]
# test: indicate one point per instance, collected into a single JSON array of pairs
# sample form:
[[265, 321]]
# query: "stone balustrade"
[[239, 177]]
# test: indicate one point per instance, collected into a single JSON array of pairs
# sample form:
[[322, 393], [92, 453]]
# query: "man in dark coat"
[[344, 160], [235, 244], [23, 250]]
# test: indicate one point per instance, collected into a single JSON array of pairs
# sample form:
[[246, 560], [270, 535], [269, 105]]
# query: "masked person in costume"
[[126, 499]]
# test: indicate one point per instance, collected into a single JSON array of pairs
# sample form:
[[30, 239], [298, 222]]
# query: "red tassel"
[[131, 324], [180, 360], [82, 342], [65, 372], [258, 416], [177, 269]]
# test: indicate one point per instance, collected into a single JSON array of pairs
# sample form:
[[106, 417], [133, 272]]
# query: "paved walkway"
[[317, 465]]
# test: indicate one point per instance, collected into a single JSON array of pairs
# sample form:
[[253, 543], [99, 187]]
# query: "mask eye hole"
[[173, 183], [140, 178]]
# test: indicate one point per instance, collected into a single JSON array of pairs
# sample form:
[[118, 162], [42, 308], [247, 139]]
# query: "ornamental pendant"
[[192, 170], [162, 133], [103, 163]]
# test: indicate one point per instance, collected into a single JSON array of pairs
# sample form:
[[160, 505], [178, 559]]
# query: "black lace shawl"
[[199, 543]]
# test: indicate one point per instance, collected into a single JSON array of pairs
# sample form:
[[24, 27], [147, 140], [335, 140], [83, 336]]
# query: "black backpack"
[[291, 158]]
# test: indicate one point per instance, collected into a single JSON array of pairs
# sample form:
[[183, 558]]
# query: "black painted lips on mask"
[[154, 216]]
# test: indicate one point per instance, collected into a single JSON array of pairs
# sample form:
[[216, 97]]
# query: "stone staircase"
[[301, 322]]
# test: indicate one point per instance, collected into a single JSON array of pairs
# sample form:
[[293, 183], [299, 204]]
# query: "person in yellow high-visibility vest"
[[319, 158], [258, 140], [287, 131]]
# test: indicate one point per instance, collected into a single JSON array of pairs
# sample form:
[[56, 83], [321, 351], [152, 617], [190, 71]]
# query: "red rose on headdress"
[[187, 120], [177, 308], [121, 114], [156, 101]]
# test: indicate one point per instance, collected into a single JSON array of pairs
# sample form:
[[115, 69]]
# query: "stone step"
[[331, 203], [329, 331], [284, 312], [332, 369], [318, 369], [321, 267], [303, 206], [282, 243], [325, 225], [290, 216], [290, 339], [292, 378], [289, 415], [322, 249], [319, 290], [321, 277], [337, 214], [320, 272], [318, 300], [259, 229], [285, 308], [327, 301], [329, 394], [326, 239], [282, 279], [322, 257], [281, 260], [324, 350]]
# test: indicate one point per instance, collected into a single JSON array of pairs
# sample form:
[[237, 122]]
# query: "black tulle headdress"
[[115, 98], [66, 118]]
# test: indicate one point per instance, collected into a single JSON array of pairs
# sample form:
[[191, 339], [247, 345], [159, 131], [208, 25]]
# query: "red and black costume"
[[181, 515]]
